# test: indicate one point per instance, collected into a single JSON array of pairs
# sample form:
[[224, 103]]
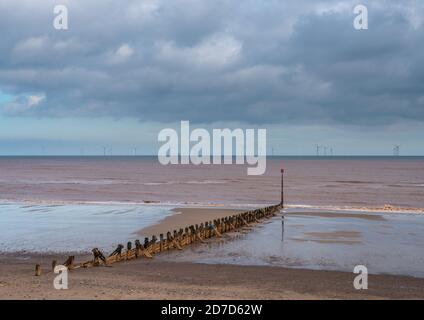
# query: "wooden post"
[[168, 240], [138, 248], [192, 234], [282, 187], [207, 230], [153, 243], [117, 251], [129, 253], [186, 236], [98, 256], [69, 262], [37, 270], [54, 263], [161, 242]]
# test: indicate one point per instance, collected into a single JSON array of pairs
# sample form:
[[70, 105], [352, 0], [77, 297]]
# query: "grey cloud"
[[251, 61]]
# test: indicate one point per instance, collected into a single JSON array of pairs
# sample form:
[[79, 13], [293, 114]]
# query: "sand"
[[370, 217], [154, 279], [334, 234]]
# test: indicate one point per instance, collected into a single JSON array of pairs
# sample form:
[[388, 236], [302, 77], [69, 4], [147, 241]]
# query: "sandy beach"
[[155, 279], [159, 278]]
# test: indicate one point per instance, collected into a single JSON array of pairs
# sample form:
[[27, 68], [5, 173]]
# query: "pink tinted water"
[[324, 181]]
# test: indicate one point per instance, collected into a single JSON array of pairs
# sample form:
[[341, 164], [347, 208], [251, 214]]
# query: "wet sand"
[[334, 234], [154, 279], [328, 241], [370, 217], [164, 278], [385, 243], [333, 237], [183, 217]]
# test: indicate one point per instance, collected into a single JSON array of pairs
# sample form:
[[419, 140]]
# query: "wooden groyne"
[[197, 233]]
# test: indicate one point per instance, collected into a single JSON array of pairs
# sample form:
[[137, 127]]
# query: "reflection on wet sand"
[[332, 237], [371, 217], [328, 241], [323, 240], [334, 234]]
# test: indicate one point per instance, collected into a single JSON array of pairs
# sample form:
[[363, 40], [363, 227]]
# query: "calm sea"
[[330, 181]]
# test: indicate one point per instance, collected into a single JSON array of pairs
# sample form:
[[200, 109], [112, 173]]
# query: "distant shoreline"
[[225, 206], [292, 157]]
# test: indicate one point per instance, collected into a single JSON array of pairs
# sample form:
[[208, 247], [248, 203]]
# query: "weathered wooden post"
[[161, 242], [168, 240], [138, 248], [207, 228], [97, 257], [37, 270], [186, 236], [153, 243], [69, 262], [54, 263], [129, 252], [118, 250], [201, 231], [116, 255]]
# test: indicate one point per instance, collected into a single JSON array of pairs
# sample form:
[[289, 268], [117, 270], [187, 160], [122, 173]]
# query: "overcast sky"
[[126, 69]]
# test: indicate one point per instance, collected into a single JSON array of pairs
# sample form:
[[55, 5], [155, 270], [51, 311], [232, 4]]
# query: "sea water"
[[49, 228]]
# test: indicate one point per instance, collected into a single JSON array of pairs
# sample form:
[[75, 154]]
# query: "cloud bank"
[[272, 62]]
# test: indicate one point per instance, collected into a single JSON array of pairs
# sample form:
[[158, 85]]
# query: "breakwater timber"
[[172, 240]]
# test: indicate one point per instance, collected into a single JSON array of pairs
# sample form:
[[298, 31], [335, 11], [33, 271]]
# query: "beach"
[[153, 279], [166, 277]]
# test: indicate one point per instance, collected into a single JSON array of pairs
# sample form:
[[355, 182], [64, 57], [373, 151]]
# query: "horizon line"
[[155, 155]]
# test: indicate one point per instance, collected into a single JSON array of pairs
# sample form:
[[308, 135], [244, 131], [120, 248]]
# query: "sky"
[[125, 70]]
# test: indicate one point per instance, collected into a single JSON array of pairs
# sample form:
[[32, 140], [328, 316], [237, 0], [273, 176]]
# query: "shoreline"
[[386, 208], [182, 217]]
